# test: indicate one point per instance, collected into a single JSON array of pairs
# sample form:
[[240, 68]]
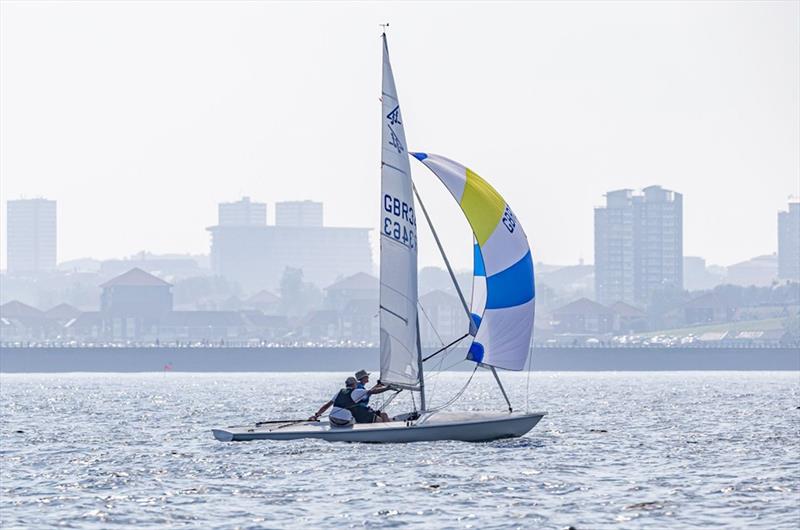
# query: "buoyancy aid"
[[364, 402], [344, 400]]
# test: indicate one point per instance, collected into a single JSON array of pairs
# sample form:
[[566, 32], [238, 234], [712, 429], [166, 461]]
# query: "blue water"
[[650, 450]]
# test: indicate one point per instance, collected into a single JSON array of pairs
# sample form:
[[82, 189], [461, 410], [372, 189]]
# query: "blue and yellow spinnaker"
[[503, 292]]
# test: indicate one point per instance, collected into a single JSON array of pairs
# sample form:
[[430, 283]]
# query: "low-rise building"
[[133, 305], [761, 271], [359, 286], [707, 308], [442, 318], [359, 321], [318, 326], [23, 322], [265, 327], [209, 326], [264, 301], [583, 316], [628, 319]]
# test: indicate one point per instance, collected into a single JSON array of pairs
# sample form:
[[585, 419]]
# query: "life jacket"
[[344, 400], [365, 401]]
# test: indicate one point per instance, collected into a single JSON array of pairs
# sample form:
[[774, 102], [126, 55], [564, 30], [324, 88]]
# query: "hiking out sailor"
[[342, 403], [362, 411]]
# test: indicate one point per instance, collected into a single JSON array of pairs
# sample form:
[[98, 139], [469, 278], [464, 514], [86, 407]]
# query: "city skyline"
[[483, 215], [700, 98], [261, 212]]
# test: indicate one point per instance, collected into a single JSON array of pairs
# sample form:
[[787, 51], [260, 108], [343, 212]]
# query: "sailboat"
[[500, 313]]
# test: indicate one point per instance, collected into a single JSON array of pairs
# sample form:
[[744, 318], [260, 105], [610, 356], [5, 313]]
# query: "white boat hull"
[[461, 426]]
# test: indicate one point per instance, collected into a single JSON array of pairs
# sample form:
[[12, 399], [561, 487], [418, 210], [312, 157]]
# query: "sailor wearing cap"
[[350, 404], [342, 403], [362, 411]]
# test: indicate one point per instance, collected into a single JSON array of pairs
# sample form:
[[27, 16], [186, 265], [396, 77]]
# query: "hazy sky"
[[139, 117]]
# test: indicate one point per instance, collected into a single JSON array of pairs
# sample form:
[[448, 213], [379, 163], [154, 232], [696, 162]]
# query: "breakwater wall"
[[298, 359]]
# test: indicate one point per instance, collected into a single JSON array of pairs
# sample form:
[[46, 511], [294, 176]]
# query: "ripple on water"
[[617, 450]]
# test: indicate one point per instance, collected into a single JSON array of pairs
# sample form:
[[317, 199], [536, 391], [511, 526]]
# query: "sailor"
[[362, 411], [342, 403]]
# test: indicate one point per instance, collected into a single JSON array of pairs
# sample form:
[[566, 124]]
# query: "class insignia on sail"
[[503, 293]]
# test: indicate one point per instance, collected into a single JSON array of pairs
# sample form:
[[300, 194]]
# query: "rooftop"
[[63, 312], [584, 306], [16, 309], [136, 277], [627, 310], [705, 301], [439, 298], [263, 297], [358, 281]]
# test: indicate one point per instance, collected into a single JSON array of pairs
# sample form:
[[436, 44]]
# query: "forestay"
[[503, 294], [398, 244]]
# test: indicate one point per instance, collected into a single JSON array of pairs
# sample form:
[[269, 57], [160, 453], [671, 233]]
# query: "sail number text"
[[399, 221], [508, 220]]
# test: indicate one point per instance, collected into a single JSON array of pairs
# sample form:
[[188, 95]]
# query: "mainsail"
[[398, 243], [503, 294]]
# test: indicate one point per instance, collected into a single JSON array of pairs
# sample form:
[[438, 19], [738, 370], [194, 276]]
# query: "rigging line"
[[437, 352], [455, 364], [402, 295], [431, 323], [435, 381], [444, 256], [393, 167], [458, 394], [387, 401], [394, 314], [449, 367], [528, 383], [446, 368], [434, 377]]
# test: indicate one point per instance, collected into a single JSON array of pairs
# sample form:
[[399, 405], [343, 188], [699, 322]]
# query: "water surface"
[[617, 450]]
